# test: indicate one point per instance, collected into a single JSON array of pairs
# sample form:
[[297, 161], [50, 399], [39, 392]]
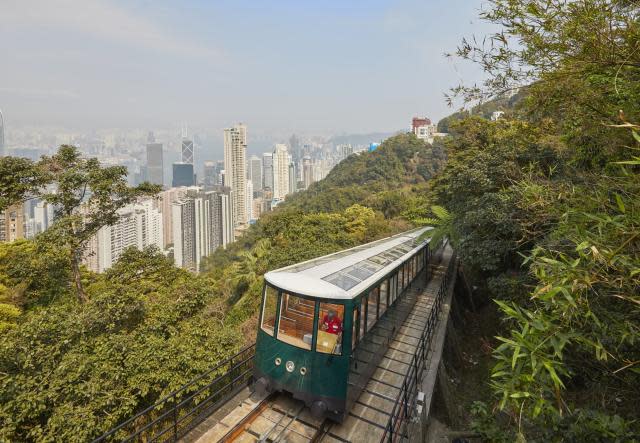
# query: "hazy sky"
[[323, 67]]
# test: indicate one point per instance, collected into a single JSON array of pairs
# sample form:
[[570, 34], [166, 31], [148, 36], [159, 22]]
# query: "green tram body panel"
[[337, 380], [324, 371]]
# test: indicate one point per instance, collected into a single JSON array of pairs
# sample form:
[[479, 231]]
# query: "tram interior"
[[295, 326]]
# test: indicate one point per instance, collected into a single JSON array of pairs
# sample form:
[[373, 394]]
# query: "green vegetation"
[[545, 214], [542, 206], [72, 367]]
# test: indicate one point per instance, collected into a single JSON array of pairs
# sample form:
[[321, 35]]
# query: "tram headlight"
[[290, 366], [303, 371], [278, 361]]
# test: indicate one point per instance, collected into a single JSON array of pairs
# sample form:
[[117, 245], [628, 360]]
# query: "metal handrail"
[[405, 403], [171, 414]]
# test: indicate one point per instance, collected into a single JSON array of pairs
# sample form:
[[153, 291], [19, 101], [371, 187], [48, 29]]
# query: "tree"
[[20, 179], [553, 197], [86, 197]]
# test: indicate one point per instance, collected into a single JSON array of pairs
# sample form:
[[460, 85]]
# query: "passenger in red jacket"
[[332, 323]]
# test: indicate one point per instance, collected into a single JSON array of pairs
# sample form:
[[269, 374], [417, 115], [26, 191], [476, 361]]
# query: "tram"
[[326, 323]]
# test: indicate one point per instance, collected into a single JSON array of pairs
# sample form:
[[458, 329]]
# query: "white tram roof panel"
[[345, 274]]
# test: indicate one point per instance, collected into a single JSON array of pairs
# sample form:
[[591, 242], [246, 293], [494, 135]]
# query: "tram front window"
[[330, 324], [269, 310], [295, 325]]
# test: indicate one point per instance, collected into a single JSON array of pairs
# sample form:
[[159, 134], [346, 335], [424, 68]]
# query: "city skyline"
[[325, 69]]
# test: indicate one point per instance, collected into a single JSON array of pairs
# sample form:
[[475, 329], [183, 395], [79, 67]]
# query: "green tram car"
[[302, 349]]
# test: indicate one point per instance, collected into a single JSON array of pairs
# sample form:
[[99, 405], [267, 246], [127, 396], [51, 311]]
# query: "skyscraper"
[[292, 177], [155, 165], [307, 172], [139, 225], [2, 152], [201, 223], [12, 223], [255, 172], [183, 225], [168, 197], [267, 170], [210, 179], [183, 174], [249, 200], [235, 163], [280, 172], [187, 150]]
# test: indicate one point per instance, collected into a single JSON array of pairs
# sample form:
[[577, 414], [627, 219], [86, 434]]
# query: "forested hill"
[[73, 367], [365, 197], [376, 179]]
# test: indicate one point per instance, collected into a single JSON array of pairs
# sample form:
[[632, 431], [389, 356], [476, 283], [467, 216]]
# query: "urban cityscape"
[[399, 221], [205, 203]]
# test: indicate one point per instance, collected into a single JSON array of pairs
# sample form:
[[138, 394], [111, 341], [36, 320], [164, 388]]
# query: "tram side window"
[[330, 324], [354, 328], [384, 293], [373, 307], [269, 309], [363, 315], [406, 275], [413, 267], [394, 288], [295, 325]]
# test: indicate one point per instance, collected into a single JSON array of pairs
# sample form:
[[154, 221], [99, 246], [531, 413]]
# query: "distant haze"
[[323, 68]]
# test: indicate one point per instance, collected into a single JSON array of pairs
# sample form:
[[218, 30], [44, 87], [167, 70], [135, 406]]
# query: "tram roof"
[[345, 274]]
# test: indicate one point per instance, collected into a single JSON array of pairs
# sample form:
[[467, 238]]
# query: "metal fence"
[[406, 402], [176, 414]]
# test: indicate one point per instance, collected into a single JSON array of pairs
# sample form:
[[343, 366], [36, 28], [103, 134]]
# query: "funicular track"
[[278, 418], [217, 406], [382, 411]]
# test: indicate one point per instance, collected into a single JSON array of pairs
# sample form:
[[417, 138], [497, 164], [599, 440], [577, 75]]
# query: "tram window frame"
[[394, 288], [364, 302], [324, 308], [413, 267], [406, 275], [276, 293], [355, 327], [285, 301], [383, 289], [372, 317]]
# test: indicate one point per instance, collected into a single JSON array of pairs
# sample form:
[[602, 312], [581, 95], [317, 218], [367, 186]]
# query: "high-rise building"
[[292, 177], [155, 165], [167, 198], [255, 172], [42, 217], [223, 232], [294, 143], [2, 143], [249, 200], [139, 225], [307, 172], [12, 223], [183, 225], [183, 174], [210, 178], [187, 150], [344, 151], [235, 163], [267, 170], [201, 223], [257, 207], [280, 172]]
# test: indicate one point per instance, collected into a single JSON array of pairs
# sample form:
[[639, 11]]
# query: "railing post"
[[175, 418]]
